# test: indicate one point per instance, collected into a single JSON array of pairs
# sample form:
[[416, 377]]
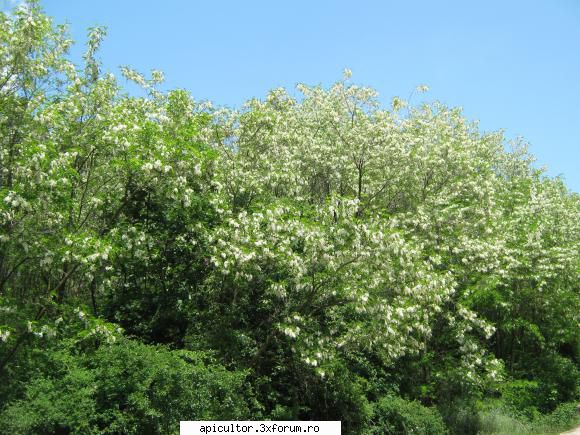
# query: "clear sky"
[[512, 65]]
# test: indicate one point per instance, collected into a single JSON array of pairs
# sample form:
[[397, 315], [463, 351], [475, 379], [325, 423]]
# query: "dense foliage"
[[311, 257]]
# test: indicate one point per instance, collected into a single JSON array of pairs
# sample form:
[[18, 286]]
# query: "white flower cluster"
[[4, 334]]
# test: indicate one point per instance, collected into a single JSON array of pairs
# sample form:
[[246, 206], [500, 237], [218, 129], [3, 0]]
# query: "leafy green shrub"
[[127, 388], [395, 415], [556, 381], [559, 378], [521, 396], [310, 396]]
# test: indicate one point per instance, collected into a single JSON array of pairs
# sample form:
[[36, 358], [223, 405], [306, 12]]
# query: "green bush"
[[521, 396], [128, 388], [559, 378], [395, 415]]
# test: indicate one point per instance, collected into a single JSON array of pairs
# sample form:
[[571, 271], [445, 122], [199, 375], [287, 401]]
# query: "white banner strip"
[[259, 427]]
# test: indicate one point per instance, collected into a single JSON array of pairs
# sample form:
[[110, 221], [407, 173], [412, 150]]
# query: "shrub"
[[127, 388], [521, 396], [395, 415]]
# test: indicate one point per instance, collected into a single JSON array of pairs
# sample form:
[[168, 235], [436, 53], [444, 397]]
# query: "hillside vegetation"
[[310, 255]]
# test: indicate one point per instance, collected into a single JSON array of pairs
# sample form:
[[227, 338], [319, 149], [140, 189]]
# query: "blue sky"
[[512, 65]]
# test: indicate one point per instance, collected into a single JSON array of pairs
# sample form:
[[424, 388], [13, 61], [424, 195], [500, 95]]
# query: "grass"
[[499, 421]]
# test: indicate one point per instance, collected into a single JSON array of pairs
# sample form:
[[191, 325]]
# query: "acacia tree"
[[90, 178], [352, 228]]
